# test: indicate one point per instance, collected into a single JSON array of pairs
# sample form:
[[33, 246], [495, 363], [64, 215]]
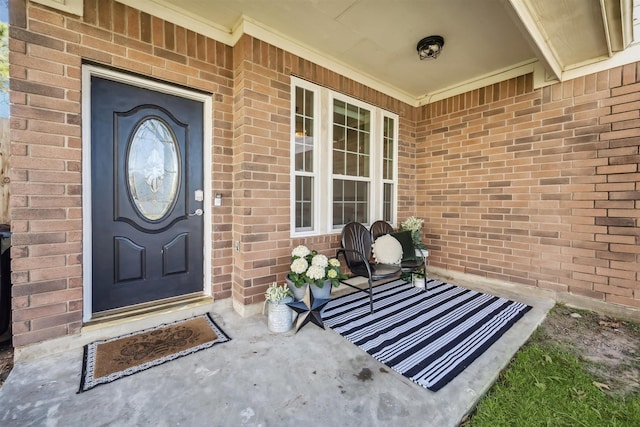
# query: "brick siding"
[[538, 187], [250, 150], [47, 50], [262, 90]]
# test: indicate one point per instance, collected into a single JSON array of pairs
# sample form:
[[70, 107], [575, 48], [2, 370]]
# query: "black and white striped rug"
[[429, 337]]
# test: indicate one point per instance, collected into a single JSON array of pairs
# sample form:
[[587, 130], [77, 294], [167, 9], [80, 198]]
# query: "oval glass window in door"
[[153, 168]]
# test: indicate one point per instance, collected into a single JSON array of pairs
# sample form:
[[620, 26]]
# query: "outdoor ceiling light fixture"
[[430, 47]]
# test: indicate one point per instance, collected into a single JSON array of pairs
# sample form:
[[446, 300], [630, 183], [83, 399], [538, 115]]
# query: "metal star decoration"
[[308, 309]]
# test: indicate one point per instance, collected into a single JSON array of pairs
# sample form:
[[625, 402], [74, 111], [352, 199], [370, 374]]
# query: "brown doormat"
[[109, 360]]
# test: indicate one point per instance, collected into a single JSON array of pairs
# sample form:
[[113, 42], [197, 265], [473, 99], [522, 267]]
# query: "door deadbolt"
[[198, 212]]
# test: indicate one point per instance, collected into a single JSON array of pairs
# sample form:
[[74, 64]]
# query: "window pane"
[[338, 205], [304, 151], [387, 203], [352, 140], [299, 125], [362, 202], [353, 116], [304, 123], [365, 157], [308, 127], [364, 147], [363, 166], [365, 120], [304, 203], [357, 147], [339, 112], [299, 100], [388, 127], [299, 158], [350, 202], [387, 161], [308, 103], [352, 164], [388, 148], [339, 138], [339, 162]]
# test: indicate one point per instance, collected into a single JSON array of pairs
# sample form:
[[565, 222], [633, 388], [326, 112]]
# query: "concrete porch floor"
[[259, 378]]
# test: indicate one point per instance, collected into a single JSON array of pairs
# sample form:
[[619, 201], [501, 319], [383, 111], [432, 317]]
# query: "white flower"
[[299, 265], [315, 272], [412, 223], [333, 262], [320, 261], [277, 293], [300, 251]]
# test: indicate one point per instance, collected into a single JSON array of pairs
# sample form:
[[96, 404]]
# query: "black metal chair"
[[356, 250], [380, 228]]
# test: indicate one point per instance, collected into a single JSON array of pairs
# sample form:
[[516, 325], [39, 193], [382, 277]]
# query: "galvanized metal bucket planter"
[[280, 316]]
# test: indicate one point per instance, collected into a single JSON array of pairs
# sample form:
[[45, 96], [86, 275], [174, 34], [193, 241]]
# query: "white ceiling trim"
[[74, 7], [619, 59], [273, 37], [626, 9], [547, 71], [607, 30], [246, 25], [533, 26], [618, 28]]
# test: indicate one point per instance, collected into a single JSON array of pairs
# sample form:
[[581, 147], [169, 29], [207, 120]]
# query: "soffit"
[[374, 41]]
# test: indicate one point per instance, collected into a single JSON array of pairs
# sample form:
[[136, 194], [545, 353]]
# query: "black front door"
[[147, 181]]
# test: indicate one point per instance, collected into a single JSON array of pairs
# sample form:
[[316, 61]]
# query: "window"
[[343, 160], [388, 169], [303, 159]]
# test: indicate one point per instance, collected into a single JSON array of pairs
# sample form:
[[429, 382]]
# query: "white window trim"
[[394, 178], [317, 132], [74, 7], [322, 165]]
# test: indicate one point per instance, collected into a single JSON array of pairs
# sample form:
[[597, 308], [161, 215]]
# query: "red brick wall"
[[261, 157], [46, 52], [250, 149], [538, 187]]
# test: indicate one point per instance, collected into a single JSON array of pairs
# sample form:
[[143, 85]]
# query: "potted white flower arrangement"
[[414, 225], [279, 315], [308, 267], [278, 294]]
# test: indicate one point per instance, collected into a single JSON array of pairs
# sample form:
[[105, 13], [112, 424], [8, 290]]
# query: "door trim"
[[87, 239]]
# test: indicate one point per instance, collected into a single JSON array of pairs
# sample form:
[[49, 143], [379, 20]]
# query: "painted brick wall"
[[539, 187], [46, 52]]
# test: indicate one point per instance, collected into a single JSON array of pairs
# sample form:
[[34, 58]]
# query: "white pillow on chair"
[[387, 250]]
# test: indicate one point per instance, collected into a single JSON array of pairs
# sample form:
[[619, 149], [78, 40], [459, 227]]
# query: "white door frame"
[[87, 239]]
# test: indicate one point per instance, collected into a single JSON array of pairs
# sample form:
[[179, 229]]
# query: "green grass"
[[547, 386]]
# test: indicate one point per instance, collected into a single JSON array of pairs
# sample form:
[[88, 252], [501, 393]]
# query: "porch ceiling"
[[376, 39]]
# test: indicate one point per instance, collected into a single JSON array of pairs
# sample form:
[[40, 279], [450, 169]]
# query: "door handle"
[[198, 212]]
